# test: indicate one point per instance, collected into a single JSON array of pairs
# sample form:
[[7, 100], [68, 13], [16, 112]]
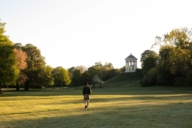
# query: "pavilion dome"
[[131, 57]]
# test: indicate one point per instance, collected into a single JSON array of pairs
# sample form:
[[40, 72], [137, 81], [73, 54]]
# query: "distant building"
[[130, 63]]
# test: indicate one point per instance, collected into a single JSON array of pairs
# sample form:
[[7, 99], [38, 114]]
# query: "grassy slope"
[[131, 82], [123, 80]]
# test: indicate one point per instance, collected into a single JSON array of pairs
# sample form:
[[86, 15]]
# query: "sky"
[[71, 33]]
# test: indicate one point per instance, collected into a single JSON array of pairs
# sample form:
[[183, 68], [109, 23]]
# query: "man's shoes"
[[86, 106]]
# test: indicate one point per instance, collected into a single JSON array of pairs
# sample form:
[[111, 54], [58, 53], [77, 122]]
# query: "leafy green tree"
[[150, 78], [93, 71], [71, 70], [61, 76], [85, 77], [48, 76], [148, 60], [34, 57], [43, 77], [76, 80], [105, 72], [175, 64], [178, 37], [36, 63], [176, 61], [122, 69], [81, 68], [113, 72], [109, 65], [98, 64], [8, 60], [189, 72]]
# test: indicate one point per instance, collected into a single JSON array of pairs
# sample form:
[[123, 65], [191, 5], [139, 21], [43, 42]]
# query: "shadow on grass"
[[168, 115]]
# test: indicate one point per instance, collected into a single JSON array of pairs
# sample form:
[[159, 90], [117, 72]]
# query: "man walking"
[[86, 93]]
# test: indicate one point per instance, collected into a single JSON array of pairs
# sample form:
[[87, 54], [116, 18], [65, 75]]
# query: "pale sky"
[[82, 32]]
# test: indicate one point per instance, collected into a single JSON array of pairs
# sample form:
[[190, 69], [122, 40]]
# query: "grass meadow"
[[124, 106]]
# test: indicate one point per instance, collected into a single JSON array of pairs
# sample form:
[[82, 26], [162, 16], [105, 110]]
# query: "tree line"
[[23, 65]]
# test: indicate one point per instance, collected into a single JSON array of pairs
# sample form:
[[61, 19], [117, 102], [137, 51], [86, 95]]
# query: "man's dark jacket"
[[87, 90]]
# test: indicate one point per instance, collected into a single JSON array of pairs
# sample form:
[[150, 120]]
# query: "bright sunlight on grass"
[[54, 108]]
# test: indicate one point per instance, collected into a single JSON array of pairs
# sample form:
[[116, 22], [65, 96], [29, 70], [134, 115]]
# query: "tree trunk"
[[93, 85], [17, 86], [26, 86], [0, 87]]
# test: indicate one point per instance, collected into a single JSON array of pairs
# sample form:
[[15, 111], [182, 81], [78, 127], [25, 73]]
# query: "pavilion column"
[[132, 66], [127, 66]]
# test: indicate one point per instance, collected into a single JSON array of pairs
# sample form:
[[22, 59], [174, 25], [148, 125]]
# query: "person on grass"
[[86, 94]]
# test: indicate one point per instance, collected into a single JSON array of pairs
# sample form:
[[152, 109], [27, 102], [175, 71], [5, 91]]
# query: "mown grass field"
[[119, 104]]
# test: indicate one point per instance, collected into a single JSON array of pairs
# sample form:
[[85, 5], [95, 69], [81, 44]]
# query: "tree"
[[36, 63], [122, 69], [21, 64], [34, 57], [177, 37], [85, 77], [76, 80], [43, 77], [148, 60], [71, 70], [96, 80], [48, 76], [8, 59], [175, 67], [82, 68], [105, 73], [109, 65], [61, 76], [113, 72], [94, 71], [175, 61], [150, 78]]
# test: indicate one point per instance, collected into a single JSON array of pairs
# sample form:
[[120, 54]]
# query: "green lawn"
[[127, 106]]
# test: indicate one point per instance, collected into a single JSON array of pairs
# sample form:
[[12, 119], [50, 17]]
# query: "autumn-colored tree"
[[21, 64]]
